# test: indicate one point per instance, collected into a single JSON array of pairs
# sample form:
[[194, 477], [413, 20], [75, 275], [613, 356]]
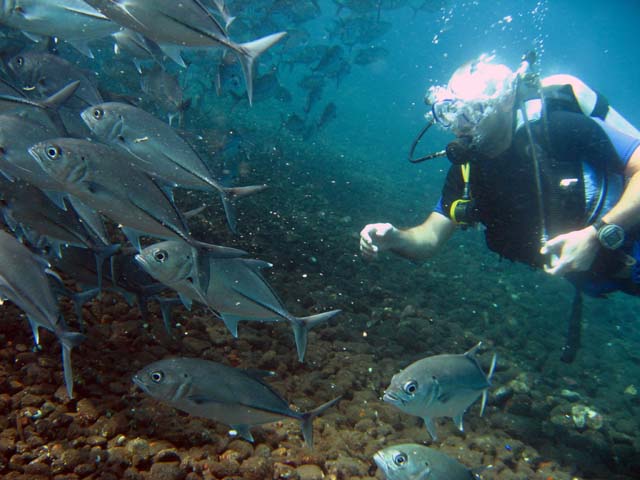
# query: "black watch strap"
[[609, 235]]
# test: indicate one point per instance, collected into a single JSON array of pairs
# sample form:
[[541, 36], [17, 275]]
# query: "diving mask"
[[475, 91]]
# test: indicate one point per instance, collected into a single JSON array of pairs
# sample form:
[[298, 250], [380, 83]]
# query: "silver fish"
[[17, 134], [236, 397], [166, 92], [26, 209], [234, 289], [161, 151], [440, 386], [23, 281], [187, 23], [106, 179], [41, 74], [411, 461], [71, 20]]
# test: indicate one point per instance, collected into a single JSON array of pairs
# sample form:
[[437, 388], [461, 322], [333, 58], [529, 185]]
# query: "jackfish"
[[234, 290], [161, 151], [106, 179], [23, 280], [233, 396], [187, 23], [411, 461], [440, 386], [71, 20]]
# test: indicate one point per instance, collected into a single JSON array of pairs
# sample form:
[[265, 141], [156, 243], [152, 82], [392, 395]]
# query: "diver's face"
[[492, 135]]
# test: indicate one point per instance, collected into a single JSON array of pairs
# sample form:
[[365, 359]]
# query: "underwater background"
[[545, 419]]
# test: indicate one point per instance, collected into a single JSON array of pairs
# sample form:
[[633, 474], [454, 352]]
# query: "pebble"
[[166, 471], [256, 468], [310, 472]]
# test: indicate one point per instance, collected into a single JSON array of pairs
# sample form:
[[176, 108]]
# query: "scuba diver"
[[546, 166]]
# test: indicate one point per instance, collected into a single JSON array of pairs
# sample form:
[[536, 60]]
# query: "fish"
[[23, 280], [71, 20], [236, 397], [161, 151], [187, 23], [411, 461], [105, 179], [233, 290], [440, 386], [17, 134], [327, 115], [41, 74], [166, 92]]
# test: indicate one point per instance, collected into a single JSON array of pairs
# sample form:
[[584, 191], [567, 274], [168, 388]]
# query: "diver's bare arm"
[[421, 242], [626, 212]]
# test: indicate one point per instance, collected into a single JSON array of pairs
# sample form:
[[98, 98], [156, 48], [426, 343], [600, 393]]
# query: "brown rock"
[[310, 472], [166, 471], [87, 412], [284, 471], [167, 455], [37, 468], [224, 468], [256, 468], [85, 469]]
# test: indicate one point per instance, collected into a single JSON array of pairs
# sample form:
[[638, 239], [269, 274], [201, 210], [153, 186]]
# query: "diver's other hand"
[[571, 252], [376, 237]]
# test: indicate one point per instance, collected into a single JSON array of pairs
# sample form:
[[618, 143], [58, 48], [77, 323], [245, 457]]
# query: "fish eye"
[[400, 459], [160, 256], [157, 376], [98, 113], [19, 61], [53, 152], [410, 387]]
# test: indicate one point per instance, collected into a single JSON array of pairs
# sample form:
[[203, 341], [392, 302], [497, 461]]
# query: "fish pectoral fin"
[[431, 427], [457, 420], [82, 46], [201, 399], [243, 431], [444, 397]]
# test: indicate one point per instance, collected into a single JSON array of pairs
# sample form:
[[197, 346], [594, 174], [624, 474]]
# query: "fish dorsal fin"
[[87, 11]]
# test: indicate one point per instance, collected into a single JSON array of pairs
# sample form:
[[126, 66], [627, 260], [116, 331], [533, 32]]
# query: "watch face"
[[611, 236]]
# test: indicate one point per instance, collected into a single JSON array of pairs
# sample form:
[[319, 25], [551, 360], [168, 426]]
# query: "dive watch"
[[610, 236]]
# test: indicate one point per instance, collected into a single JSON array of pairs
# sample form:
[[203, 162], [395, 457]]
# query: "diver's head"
[[477, 103]]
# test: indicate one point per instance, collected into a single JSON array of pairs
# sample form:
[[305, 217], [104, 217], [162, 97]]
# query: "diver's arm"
[[575, 251], [416, 243], [626, 212]]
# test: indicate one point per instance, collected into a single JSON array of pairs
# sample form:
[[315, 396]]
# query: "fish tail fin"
[[229, 197], [307, 420], [61, 96], [302, 325], [68, 341], [489, 375], [248, 53]]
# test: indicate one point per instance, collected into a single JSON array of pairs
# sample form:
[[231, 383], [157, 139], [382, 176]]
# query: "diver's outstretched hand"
[[376, 237]]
